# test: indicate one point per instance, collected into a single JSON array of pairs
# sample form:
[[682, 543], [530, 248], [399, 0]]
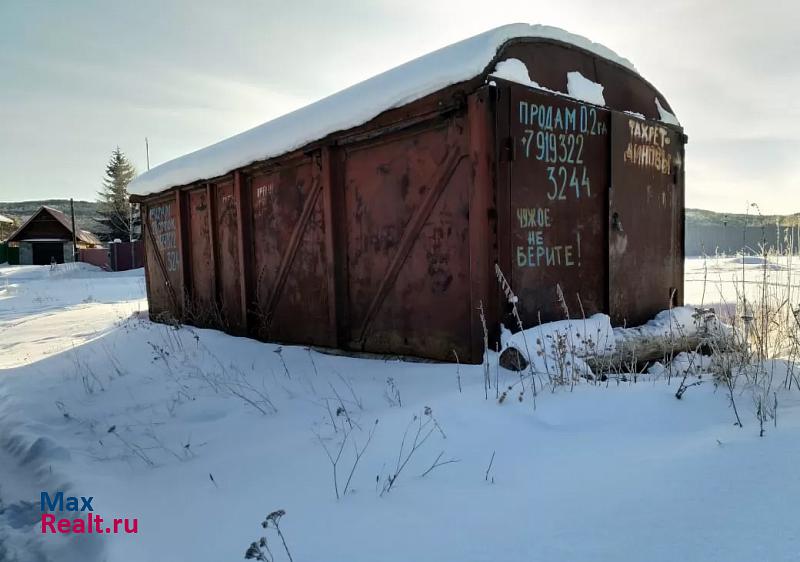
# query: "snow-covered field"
[[199, 435], [717, 281]]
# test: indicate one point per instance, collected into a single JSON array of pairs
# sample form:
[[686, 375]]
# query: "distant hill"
[[85, 211], [702, 217], [709, 233]]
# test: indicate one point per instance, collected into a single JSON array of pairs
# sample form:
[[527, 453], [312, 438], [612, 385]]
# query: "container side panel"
[[227, 255], [201, 310], [645, 218], [291, 290], [559, 188], [163, 259], [407, 205]]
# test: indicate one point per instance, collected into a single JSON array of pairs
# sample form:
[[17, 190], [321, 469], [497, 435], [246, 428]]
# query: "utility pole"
[[74, 234], [147, 152], [130, 231]]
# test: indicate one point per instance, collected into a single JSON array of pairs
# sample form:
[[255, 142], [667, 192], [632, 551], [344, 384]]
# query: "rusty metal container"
[[384, 237]]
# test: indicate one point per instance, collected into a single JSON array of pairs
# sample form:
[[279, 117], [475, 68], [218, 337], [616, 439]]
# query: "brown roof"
[[82, 235]]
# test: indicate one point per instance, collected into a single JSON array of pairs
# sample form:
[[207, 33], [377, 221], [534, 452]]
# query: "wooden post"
[[74, 234]]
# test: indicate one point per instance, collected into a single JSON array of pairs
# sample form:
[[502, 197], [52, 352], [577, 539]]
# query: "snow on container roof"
[[355, 105]]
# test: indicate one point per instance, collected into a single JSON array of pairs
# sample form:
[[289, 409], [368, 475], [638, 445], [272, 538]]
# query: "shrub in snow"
[[426, 425], [260, 550], [336, 458], [392, 393]]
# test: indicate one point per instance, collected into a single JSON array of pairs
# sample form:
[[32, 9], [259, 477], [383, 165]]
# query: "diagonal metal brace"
[[410, 235], [291, 250]]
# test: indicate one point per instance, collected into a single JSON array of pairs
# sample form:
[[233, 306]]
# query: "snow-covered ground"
[[717, 281], [200, 435]]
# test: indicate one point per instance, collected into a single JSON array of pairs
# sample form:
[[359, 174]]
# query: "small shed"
[[46, 236], [377, 219]]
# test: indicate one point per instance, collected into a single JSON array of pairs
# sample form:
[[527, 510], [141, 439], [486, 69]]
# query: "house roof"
[[5, 219], [82, 235], [356, 105]]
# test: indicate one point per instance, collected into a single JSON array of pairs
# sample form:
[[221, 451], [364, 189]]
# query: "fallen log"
[[634, 347], [630, 354]]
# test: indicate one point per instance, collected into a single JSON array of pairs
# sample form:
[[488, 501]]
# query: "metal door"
[[645, 219], [162, 234], [554, 204]]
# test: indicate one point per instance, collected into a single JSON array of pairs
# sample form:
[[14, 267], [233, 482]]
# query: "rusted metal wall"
[[407, 196], [163, 256], [289, 255], [226, 223], [591, 201], [646, 219], [551, 61], [384, 238], [401, 280], [201, 307]]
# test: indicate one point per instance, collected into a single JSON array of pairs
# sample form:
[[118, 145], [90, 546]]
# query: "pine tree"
[[116, 214]]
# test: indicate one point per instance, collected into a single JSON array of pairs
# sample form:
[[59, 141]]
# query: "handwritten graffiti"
[[534, 218], [556, 142], [162, 223], [565, 179], [541, 255], [264, 200], [581, 119], [559, 137], [549, 147], [538, 253], [648, 147]]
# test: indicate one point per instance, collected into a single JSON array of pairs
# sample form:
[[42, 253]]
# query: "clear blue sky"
[[79, 77]]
